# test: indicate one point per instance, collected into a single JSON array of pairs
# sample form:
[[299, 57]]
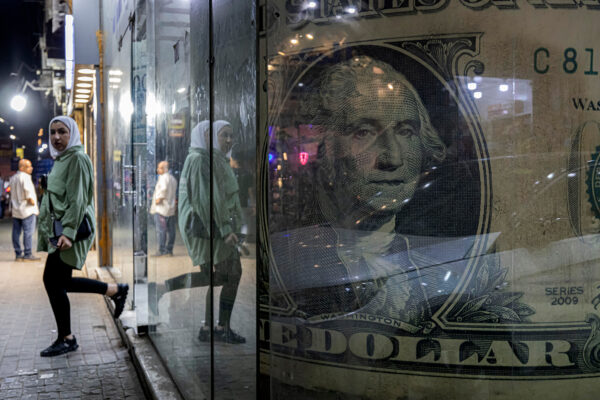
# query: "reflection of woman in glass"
[[194, 222], [377, 142]]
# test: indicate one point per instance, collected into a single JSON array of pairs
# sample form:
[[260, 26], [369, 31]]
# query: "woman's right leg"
[[85, 285], [57, 276], [187, 281]]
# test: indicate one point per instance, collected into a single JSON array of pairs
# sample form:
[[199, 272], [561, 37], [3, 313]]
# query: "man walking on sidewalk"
[[24, 210], [163, 207]]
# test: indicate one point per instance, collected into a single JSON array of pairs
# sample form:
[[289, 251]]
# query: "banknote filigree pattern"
[[489, 301], [591, 351]]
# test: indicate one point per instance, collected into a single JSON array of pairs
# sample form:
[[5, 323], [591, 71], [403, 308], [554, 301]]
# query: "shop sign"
[[177, 125]]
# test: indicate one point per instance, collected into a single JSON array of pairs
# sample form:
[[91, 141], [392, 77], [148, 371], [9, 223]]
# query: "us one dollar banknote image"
[[431, 191]]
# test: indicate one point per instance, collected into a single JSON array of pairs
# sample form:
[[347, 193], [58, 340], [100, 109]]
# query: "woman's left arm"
[[78, 181]]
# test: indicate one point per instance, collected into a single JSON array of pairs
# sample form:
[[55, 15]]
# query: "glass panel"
[[177, 101], [118, 109], [140, 133], [431, 180], [234, 215]]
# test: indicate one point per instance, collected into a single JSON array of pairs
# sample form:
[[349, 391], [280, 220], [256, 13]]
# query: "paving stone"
[[45, 396], [30, 390], [13, 393], [73, 394]]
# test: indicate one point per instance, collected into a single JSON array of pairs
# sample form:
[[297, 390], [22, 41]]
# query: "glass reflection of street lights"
[[13, 138]]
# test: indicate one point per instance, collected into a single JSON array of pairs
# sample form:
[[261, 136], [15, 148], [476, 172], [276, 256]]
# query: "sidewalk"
[[100, 369]]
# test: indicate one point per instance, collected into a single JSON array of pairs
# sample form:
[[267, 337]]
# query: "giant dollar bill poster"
[[432, 199]]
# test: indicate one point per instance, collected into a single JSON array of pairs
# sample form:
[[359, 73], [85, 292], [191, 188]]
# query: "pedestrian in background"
[[1, 198], [69, 199], [24, 210], [163, 207]]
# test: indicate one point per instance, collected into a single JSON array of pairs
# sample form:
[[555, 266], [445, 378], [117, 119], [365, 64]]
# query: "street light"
[[18, 103]]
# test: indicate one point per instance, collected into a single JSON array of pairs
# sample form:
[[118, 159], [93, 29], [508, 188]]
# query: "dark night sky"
[[20, 28]]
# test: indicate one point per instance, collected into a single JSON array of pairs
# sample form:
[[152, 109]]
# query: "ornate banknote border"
[[481, 301]]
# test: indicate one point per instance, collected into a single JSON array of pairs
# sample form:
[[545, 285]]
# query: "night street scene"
[[297, 199]]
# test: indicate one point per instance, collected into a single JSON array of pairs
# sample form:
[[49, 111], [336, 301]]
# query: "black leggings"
[[58, 280], [227, 274]]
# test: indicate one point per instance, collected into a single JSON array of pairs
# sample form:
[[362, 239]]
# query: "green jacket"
[[71, 188], [194, 196]]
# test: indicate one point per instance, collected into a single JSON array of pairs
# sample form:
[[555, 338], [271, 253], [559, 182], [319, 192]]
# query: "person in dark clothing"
[[69, 199]]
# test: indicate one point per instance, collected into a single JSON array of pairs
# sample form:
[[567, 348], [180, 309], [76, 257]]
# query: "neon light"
[[69, 51], [303, 157]]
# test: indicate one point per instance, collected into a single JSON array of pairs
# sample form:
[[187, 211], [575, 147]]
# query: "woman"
[[69, 198], [194, 202]]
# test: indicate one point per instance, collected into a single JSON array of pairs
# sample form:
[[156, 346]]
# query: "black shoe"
[[204, 334], [30, 257], [60, 346], [227, 335], [119, 298]]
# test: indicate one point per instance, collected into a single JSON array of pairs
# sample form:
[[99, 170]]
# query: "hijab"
[[74, 140], [198, 139], [198, 135]]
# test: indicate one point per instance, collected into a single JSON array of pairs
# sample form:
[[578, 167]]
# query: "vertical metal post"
[[103, 231], [211, 79]]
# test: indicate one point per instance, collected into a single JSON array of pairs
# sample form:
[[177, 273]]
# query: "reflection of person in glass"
[[376, 142], [194, 217], [163, 208]]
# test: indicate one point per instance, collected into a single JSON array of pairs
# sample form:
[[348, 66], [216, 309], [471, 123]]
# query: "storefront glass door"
[[120, 166], [177, 102], [234, 199]]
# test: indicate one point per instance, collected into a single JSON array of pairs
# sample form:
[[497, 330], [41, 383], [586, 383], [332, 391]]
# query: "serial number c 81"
[[571, 61]]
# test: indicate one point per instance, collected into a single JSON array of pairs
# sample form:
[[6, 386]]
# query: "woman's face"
[[59, 135], [225, 139]]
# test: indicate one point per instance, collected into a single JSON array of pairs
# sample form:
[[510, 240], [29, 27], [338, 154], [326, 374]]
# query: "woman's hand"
[[232, 239], [64, 243]]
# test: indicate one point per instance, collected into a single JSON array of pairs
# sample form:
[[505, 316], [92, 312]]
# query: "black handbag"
[[194, 227], [84, 230]]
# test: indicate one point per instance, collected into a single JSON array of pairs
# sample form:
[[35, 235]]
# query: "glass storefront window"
[[201, 240], [408, 189], [430, 206], [118, 112], [177, 290], [234, 194]]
